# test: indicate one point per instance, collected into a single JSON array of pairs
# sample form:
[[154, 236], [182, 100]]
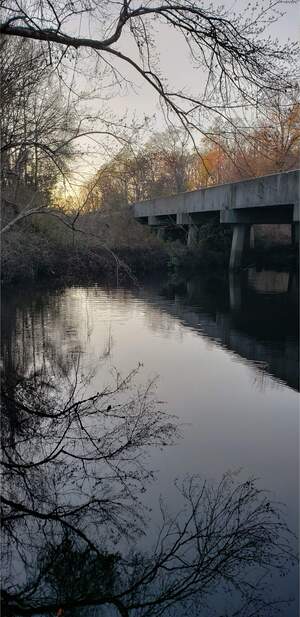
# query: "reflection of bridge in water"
[[257, 319]]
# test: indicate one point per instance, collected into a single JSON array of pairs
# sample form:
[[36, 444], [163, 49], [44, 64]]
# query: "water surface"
[[223, 352]]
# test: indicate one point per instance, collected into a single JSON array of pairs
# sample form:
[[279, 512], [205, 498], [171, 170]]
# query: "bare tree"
[[42, 126], [270, 143], [240, 64], [36, 123]]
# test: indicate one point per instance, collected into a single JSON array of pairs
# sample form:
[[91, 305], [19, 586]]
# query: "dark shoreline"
[[79, 263]]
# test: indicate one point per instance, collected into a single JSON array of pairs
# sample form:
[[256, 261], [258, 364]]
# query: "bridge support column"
[[240, 242], [235, 291], [161, 233], [295, 234], [192, 237]]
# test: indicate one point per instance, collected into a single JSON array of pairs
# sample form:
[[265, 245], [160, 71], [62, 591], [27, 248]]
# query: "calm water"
[[224, 355]]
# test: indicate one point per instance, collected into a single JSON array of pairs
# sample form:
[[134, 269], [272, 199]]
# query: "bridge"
[[263, 200]]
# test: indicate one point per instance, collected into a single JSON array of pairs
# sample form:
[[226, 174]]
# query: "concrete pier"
[[240, 243], [161, 233], [295, 234], [192, 237], [235, 290]]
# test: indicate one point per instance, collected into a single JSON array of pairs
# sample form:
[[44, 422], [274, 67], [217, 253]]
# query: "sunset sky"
[[137, 99]]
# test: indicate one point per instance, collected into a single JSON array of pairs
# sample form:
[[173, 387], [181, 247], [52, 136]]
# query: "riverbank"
[[31, 253], [41, 259]]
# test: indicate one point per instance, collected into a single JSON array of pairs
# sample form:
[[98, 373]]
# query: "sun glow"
[[69, 193]]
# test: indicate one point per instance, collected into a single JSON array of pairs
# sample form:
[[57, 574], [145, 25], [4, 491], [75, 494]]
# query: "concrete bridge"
[[263, 200]]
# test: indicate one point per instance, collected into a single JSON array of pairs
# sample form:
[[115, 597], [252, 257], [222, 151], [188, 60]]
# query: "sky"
[[175, 63]]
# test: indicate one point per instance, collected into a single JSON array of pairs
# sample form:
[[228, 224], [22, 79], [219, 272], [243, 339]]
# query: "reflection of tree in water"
[[75, 464], [29, 352], [72, 513], [27, 343]]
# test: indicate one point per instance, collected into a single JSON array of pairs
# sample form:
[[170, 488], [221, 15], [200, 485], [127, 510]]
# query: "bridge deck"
[[266, 191]]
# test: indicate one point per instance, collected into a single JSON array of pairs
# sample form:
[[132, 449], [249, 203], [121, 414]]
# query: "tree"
[[41, 122], [169, 159], [240, 65], [270, 144], [159, 167], [276, 140], [36, 122], [166, 165]]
